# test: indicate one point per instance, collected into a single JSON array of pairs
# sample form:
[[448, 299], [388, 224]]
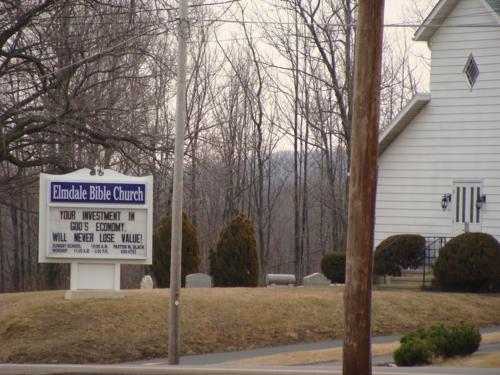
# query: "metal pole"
[[362, 189], [176, 246]]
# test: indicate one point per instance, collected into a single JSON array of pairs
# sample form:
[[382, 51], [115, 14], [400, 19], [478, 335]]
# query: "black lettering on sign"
[[106, 237], [67, 215], [76, 225], [128, 251], [131, 216], [101, 215], [131, 238], [59, 250], [83, 237], [109, 227], [58, 237], [81, 251]]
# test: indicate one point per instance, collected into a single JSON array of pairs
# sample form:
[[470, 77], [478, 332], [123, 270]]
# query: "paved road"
[[215, 370], [214, 358]]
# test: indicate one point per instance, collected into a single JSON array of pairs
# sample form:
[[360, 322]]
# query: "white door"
[[466, 215]]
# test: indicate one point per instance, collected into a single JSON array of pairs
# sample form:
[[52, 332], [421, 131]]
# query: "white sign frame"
[[84, 176]]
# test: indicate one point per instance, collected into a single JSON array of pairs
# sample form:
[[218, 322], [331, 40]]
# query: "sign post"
[[96, 223]]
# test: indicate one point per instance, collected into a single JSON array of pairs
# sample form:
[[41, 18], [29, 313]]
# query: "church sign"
[[95, 217]]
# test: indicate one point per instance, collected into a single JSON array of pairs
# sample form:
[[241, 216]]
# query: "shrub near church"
[[469, 262], [333, 266], [161, 254], [399, 252]]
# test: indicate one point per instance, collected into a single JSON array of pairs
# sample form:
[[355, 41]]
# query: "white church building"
[[439, 160]]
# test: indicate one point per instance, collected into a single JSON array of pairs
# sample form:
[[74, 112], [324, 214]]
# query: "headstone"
[[198, 280], [277, 279], [316, 279], [147, 282]]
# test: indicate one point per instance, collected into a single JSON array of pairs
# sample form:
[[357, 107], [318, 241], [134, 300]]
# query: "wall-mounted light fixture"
[[481, 199], [445, 200]]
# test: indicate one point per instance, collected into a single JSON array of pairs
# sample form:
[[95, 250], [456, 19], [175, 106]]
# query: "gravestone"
[[316, 279], [280, 279], [198, 280], [147, 282]]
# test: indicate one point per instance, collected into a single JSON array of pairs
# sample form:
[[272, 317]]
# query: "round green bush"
[[235, 261], [333, 267], [458, 341], [161, 251], [441, 341], [399, 252], [469, 262], [413, 335], [412, 353]]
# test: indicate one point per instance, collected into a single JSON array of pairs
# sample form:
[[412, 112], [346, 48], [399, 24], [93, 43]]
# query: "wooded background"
[[89, 83]]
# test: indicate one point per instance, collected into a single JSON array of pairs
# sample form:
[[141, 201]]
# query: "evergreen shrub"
[[412, 353], [333, 266], [161, 251], [458, 341], [420, 346], [469, 262], [235, 260], [399, 252]]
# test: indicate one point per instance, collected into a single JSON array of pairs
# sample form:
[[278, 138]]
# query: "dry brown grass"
[[44, 327], [476, 360], [490, 338]]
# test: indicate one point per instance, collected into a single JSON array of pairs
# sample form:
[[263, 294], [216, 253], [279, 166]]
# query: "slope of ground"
[[43, 327]]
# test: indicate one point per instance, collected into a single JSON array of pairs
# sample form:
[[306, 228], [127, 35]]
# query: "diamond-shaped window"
[[471, 70]]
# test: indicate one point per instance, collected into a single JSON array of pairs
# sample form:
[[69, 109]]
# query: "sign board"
[[95, 218]]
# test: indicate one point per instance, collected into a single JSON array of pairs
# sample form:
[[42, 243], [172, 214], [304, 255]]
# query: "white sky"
[[396, 12], [403, 11]]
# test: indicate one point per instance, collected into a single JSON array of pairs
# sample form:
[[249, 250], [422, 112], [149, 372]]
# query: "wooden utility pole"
[[362, 188], [176, 245]]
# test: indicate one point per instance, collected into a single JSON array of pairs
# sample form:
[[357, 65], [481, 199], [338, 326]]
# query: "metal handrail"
[[432, 247]]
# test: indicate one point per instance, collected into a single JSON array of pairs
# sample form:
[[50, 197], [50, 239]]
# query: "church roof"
[[402, 120], [442, 9], [495, 5]]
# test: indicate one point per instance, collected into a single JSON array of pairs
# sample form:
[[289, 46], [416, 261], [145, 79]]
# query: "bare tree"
[[66, 69]]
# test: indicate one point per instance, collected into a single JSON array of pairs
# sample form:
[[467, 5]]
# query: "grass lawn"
[[43, 327], [476, 360]]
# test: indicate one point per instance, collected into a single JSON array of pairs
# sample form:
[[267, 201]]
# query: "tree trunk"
[[16, 266]]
